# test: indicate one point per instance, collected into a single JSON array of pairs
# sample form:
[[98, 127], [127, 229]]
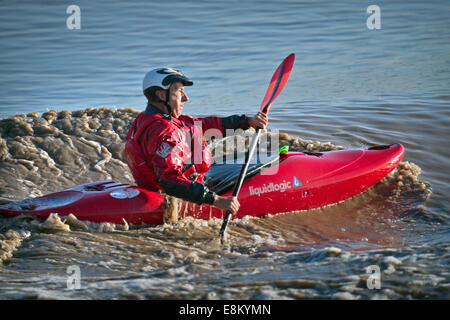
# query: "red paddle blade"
[[279, 79]]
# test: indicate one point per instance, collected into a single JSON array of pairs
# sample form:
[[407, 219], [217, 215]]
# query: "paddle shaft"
[[242, 174], [277, 84]]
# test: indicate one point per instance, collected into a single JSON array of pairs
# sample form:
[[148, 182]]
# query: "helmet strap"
[[169, 109]]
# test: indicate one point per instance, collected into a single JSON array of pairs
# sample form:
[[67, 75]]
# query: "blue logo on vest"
[[296, 182]]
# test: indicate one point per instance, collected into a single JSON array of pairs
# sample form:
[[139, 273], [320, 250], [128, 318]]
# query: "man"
[[160, 148]]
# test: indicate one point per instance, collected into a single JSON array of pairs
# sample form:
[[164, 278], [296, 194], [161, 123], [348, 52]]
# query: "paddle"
[[279, 79]]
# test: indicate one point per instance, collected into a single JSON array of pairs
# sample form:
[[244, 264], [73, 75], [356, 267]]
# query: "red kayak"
[[288, 182]]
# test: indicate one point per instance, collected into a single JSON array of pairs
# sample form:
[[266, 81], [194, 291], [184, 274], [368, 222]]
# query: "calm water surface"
[[350, 86]]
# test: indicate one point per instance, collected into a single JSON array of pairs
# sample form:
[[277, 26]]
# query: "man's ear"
[[161, 94]]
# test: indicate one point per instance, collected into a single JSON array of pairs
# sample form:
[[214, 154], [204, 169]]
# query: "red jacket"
[[169, 154]]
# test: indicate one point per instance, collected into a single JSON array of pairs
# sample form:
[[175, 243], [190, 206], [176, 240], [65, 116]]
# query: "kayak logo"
[[127, 193], [280, 187], [296, 182]]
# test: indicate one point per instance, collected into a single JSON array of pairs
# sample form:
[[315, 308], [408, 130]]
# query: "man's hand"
[[260, 120], [227, 203]]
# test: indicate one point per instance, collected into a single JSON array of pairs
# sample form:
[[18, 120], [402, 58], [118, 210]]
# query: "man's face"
[[177, 98]]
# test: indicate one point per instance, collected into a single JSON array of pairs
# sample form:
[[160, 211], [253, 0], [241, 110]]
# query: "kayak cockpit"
[[222, 177]]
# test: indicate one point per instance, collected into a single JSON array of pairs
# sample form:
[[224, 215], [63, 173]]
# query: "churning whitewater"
[[57, 150]]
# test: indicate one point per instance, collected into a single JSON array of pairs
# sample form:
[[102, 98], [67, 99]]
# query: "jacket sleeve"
[[232, 122], [168, 165], [235, 122]]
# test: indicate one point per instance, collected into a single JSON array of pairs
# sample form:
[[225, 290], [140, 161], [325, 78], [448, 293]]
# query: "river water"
[[68, 97]]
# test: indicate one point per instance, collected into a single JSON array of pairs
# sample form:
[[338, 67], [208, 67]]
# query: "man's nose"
[[185, 98]]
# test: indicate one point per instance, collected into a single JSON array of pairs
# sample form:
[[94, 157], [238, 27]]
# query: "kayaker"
[[158, 148]]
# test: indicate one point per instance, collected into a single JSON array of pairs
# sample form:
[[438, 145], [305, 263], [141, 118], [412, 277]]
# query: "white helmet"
[[163, 78]]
